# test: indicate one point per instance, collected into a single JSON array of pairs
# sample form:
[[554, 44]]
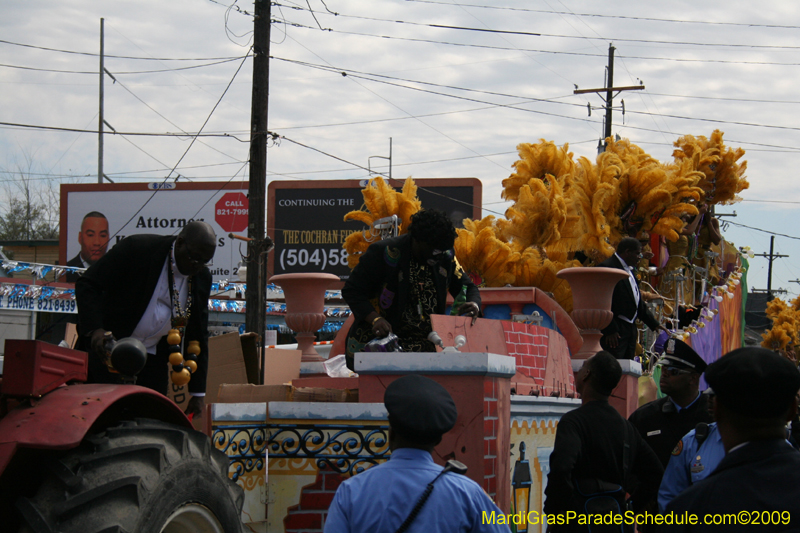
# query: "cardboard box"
[[249, 393], [250, 352], [71, 335], [309, 394], [281, 366], [225, 364]]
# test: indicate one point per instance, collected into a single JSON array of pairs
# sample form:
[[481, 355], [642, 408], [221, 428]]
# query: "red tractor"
[[91, 458]]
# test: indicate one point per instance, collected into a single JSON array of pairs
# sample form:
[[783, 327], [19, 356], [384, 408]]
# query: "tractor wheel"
[[142, 476]]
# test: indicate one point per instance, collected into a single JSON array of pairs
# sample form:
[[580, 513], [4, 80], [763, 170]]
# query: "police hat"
[[754, 382], [418, 406], [680, 355]]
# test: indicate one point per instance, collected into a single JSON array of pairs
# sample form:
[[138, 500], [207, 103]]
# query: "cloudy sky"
[[455, 98]]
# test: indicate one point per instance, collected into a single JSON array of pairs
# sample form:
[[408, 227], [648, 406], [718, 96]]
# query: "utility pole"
[[771, 256], [609, 89], [259, 243], [100, 119]]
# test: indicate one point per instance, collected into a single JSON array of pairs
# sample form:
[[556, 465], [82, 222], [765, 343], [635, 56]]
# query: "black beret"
[[418, 406], [754, 382], [680, 355]]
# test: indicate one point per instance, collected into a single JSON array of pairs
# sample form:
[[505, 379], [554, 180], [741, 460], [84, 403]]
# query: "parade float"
[[511, 373]]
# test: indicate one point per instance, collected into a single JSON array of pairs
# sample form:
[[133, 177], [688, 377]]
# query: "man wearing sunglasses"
[[143, 287], [620, 337], [663, 422]]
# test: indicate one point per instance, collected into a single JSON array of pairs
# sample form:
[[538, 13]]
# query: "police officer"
[[755, 395], [383, 497], [695, 456], [663, 422]]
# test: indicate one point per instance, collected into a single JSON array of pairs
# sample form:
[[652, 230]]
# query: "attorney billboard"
[[95, 217]]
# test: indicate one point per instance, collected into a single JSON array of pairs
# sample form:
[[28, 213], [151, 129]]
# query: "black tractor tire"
[[141, 476]]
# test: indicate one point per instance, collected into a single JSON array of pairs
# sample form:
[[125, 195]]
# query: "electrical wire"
[[649, 19], [378, 173], [511, 106], [151, 108], [401, 109], [94, 73], [187, 149], [349, 72], [559, 36], [139, 133], [762, 230], [553, 52], [110, 56]]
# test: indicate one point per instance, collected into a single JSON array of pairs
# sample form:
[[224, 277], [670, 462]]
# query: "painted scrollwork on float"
[[345, 449], [244, 446]]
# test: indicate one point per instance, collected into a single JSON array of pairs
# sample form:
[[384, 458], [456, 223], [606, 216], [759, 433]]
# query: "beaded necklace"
[[181, 371]]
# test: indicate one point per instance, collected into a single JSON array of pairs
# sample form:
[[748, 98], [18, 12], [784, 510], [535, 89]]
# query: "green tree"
[[31, 208]]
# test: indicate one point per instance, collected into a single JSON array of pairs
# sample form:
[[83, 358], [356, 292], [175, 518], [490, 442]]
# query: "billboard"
[[306, 218], [120, 210]]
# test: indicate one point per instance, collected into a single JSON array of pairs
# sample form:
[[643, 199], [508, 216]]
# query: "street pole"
[[609, 89], [609, 93], [771, 256], [260, 244], [100, 120]]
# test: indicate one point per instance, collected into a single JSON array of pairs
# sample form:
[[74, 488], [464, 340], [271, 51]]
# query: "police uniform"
[[382, 497], [759, 476], [589, 444], [662, 423], [691, 461]]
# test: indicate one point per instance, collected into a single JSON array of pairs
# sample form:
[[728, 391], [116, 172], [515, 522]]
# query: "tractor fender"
[[62, 418]]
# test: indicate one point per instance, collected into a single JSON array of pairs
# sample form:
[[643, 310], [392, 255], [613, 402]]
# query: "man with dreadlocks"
[[400, 282]]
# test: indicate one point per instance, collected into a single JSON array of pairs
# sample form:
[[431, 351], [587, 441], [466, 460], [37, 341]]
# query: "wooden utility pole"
[[100, 120], [609, 89], [259, 243], [771, 256]]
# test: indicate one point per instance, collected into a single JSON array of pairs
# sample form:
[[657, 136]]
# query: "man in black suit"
[[621, 336], [756, 394], [596, 451], [93, 238], [143, 287]]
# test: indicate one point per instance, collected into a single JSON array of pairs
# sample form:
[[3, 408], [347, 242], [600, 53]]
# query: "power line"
[[755, 100], [649, 19], [107, 56], [763, 230], [374, 172], [555, 35], [511, 106], [493, 93], [553, 52], [145, 134], [514, 106], [151, 108], [187, 149], [121, 73]]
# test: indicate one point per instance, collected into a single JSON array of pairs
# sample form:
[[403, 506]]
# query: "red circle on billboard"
[[231, 211]]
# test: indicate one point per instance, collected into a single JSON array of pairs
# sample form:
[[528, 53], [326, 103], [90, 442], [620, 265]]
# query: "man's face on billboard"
[[93, 238]]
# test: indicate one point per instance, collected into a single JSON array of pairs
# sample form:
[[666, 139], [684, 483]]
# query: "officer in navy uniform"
[[383, 497], [663, 422], [696, 455], [755, 396]]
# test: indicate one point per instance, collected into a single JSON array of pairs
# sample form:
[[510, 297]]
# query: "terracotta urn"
[[592, 289], [304, 294]]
